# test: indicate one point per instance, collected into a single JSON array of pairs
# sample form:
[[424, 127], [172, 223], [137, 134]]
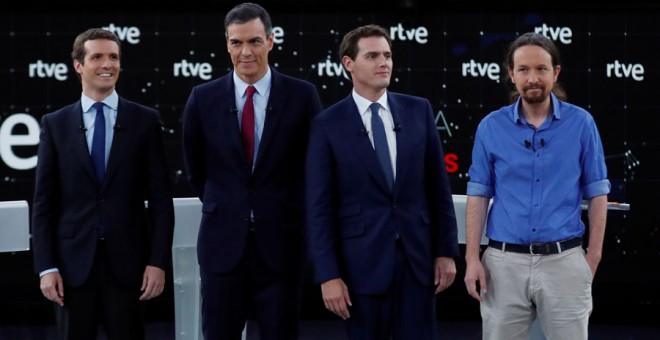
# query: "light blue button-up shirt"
[[537, 177]]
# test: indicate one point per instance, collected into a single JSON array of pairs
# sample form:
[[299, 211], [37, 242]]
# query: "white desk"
[[459, 207], [14, 226]]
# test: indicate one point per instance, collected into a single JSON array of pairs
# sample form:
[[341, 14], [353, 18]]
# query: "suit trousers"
[[405, 311], [100, 299], [250, 291], [556, 289]]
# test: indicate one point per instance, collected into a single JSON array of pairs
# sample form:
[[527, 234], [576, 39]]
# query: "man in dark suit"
[[380, 217], [93, 237], [245, 138]]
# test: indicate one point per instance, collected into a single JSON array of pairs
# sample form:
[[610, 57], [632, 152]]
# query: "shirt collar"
[[363, 103], [517, 118], [111, 101], [261, 85]]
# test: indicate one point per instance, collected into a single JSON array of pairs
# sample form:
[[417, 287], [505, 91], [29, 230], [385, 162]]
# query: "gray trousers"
[[556, 289]]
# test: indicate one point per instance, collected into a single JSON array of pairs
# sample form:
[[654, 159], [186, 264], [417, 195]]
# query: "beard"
[[534, 98]]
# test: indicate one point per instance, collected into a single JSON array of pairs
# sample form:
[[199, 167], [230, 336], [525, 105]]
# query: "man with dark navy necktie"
[[380, 217], [97, 249]]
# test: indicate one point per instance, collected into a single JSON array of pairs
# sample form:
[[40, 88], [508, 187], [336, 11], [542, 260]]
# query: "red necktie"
[[247, 125]]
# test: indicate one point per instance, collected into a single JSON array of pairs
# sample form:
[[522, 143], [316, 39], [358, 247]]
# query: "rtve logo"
[[187, 69], [563, 34], [130, 34], [419, 34], [634, 71], [476, 69], [330, 69], [333, 69], [40, 69]]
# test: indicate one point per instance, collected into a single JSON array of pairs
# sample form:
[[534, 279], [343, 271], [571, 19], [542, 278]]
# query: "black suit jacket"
[[69, 203], [217, 169]]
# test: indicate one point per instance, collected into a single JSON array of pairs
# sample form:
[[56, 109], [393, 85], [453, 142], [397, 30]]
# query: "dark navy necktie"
[[380, 145], [98, 143]]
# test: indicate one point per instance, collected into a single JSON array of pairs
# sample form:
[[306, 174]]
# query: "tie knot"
[[374, 108], [250, 91], [98, 106]]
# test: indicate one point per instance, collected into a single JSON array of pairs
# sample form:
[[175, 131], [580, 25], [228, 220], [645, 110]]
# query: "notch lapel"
[[274, 110], [80, 146], [403, 140], [125, 125]]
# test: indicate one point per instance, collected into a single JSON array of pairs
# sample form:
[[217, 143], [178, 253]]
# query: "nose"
[[383, 61], [107, 62], [533, 77], [246, 50]]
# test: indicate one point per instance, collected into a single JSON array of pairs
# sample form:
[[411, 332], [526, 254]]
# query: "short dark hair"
[[78, 52], [245, 12], [540, 40], [349, 44]]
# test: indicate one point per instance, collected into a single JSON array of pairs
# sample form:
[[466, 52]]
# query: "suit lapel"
[[274, 111], [403, 139], [361, 143], [222, 118], [122, 134], [80, 146], [225, 101]]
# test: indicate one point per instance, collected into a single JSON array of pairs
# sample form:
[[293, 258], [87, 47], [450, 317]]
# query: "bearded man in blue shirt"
[[537, 159]]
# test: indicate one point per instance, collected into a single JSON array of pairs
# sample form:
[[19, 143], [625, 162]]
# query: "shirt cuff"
[[48, 271], [476, 189], [594, 189]]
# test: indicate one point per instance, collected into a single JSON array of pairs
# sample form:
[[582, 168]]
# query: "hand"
[[445, 273], [52, 287], [153, 282], [593, 259], [336, 298], [474, 273]]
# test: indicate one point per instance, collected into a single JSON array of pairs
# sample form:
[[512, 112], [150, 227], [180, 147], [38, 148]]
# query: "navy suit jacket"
[[69, 203], [218, 171], [353, 219]]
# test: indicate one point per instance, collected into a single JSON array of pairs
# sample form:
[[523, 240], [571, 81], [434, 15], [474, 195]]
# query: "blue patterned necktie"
[[380, 145], [98, 143]]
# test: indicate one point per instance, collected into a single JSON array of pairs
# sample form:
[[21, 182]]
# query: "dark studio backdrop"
[[449, 52]]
